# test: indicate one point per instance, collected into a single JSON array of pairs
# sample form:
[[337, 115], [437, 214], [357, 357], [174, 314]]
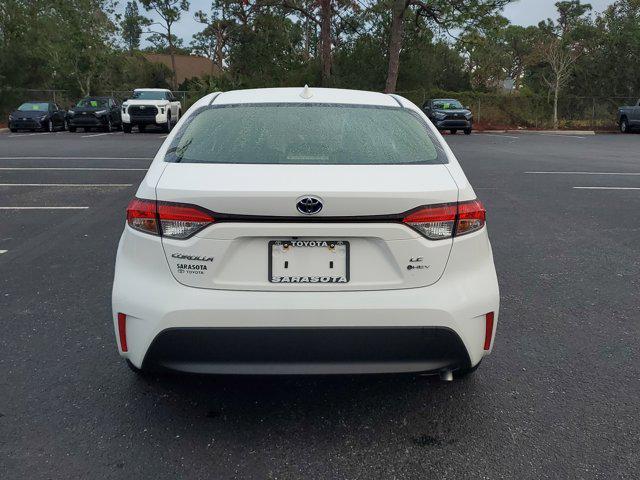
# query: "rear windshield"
[[305, 134]]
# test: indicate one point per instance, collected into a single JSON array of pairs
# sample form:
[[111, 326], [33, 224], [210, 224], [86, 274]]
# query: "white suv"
[[150, 106], [297, 231]]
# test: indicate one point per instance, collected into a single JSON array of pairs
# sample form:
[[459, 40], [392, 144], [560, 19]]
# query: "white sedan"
[[305, 231]]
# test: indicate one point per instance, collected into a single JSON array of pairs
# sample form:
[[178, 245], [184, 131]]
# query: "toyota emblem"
[[309, 205]]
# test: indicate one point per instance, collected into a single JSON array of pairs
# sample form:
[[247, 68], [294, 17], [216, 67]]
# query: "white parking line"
[[498, 135], [607, 188], [3, 251], [44, 208], [164, 136], [559, 135], [584, 173], [29, 134], [74, 185], [78, 169], [76, 158], [98, 134]]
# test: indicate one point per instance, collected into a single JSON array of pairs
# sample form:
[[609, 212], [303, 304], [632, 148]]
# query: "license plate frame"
[[311, 278]]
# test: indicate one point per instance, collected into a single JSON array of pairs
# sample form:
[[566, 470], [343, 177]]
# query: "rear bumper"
[[202, 330], [306, 350]]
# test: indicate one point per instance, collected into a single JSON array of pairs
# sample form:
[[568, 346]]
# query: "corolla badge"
[[309, 205]]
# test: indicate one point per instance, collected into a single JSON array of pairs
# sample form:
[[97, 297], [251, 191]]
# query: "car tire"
[[466, 372], [453, 132], [167, 126], [624, 126], [13, 130], [72, 129], [126, 127], [467, 131]]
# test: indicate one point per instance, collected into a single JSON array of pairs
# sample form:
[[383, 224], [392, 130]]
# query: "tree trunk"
[[173, 59], [556, 93], [218, 52], [325, 39], [395, 44]]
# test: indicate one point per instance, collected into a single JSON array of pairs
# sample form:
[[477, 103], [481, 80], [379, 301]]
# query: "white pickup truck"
[[150, 106]]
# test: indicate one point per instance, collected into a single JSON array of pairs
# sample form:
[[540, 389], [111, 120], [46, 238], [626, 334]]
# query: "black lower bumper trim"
[[307, 350], [143, 121]]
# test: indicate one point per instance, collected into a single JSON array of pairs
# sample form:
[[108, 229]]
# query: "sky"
[[521, 12]]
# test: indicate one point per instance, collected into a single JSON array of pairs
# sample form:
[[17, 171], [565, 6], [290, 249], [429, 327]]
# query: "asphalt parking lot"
[[559, 398]]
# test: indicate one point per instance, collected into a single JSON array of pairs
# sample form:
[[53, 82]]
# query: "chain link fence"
[[515, 111]]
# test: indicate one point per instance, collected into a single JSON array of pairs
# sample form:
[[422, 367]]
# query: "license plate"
[[308, 261]]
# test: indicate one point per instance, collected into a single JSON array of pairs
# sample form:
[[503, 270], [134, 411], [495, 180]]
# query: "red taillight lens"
[[181, 221], [174, 220], [435, 222], [438, 222], [488, 332], [142, 216], [471, 217]]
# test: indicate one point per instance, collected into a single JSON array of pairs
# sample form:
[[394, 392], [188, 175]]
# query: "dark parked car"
[[629, 118], [33, 116], [95, 112], [449, 114]]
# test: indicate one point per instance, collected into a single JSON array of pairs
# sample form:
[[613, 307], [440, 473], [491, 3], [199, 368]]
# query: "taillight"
[[142, 216], [437, 222], [179, 220], [167, 219], [471, 217]]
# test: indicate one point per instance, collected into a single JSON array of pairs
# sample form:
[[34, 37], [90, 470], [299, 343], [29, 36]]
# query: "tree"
[[562, 46], [322, 14], [131, 25], [445, 14], [213, 40], [170, 12]]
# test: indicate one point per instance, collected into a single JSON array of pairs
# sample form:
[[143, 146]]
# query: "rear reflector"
[[167, 219], [437, 222], [488, 333], [122, 331]]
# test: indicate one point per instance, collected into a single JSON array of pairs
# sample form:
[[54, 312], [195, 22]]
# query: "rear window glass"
[[305, 134]]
